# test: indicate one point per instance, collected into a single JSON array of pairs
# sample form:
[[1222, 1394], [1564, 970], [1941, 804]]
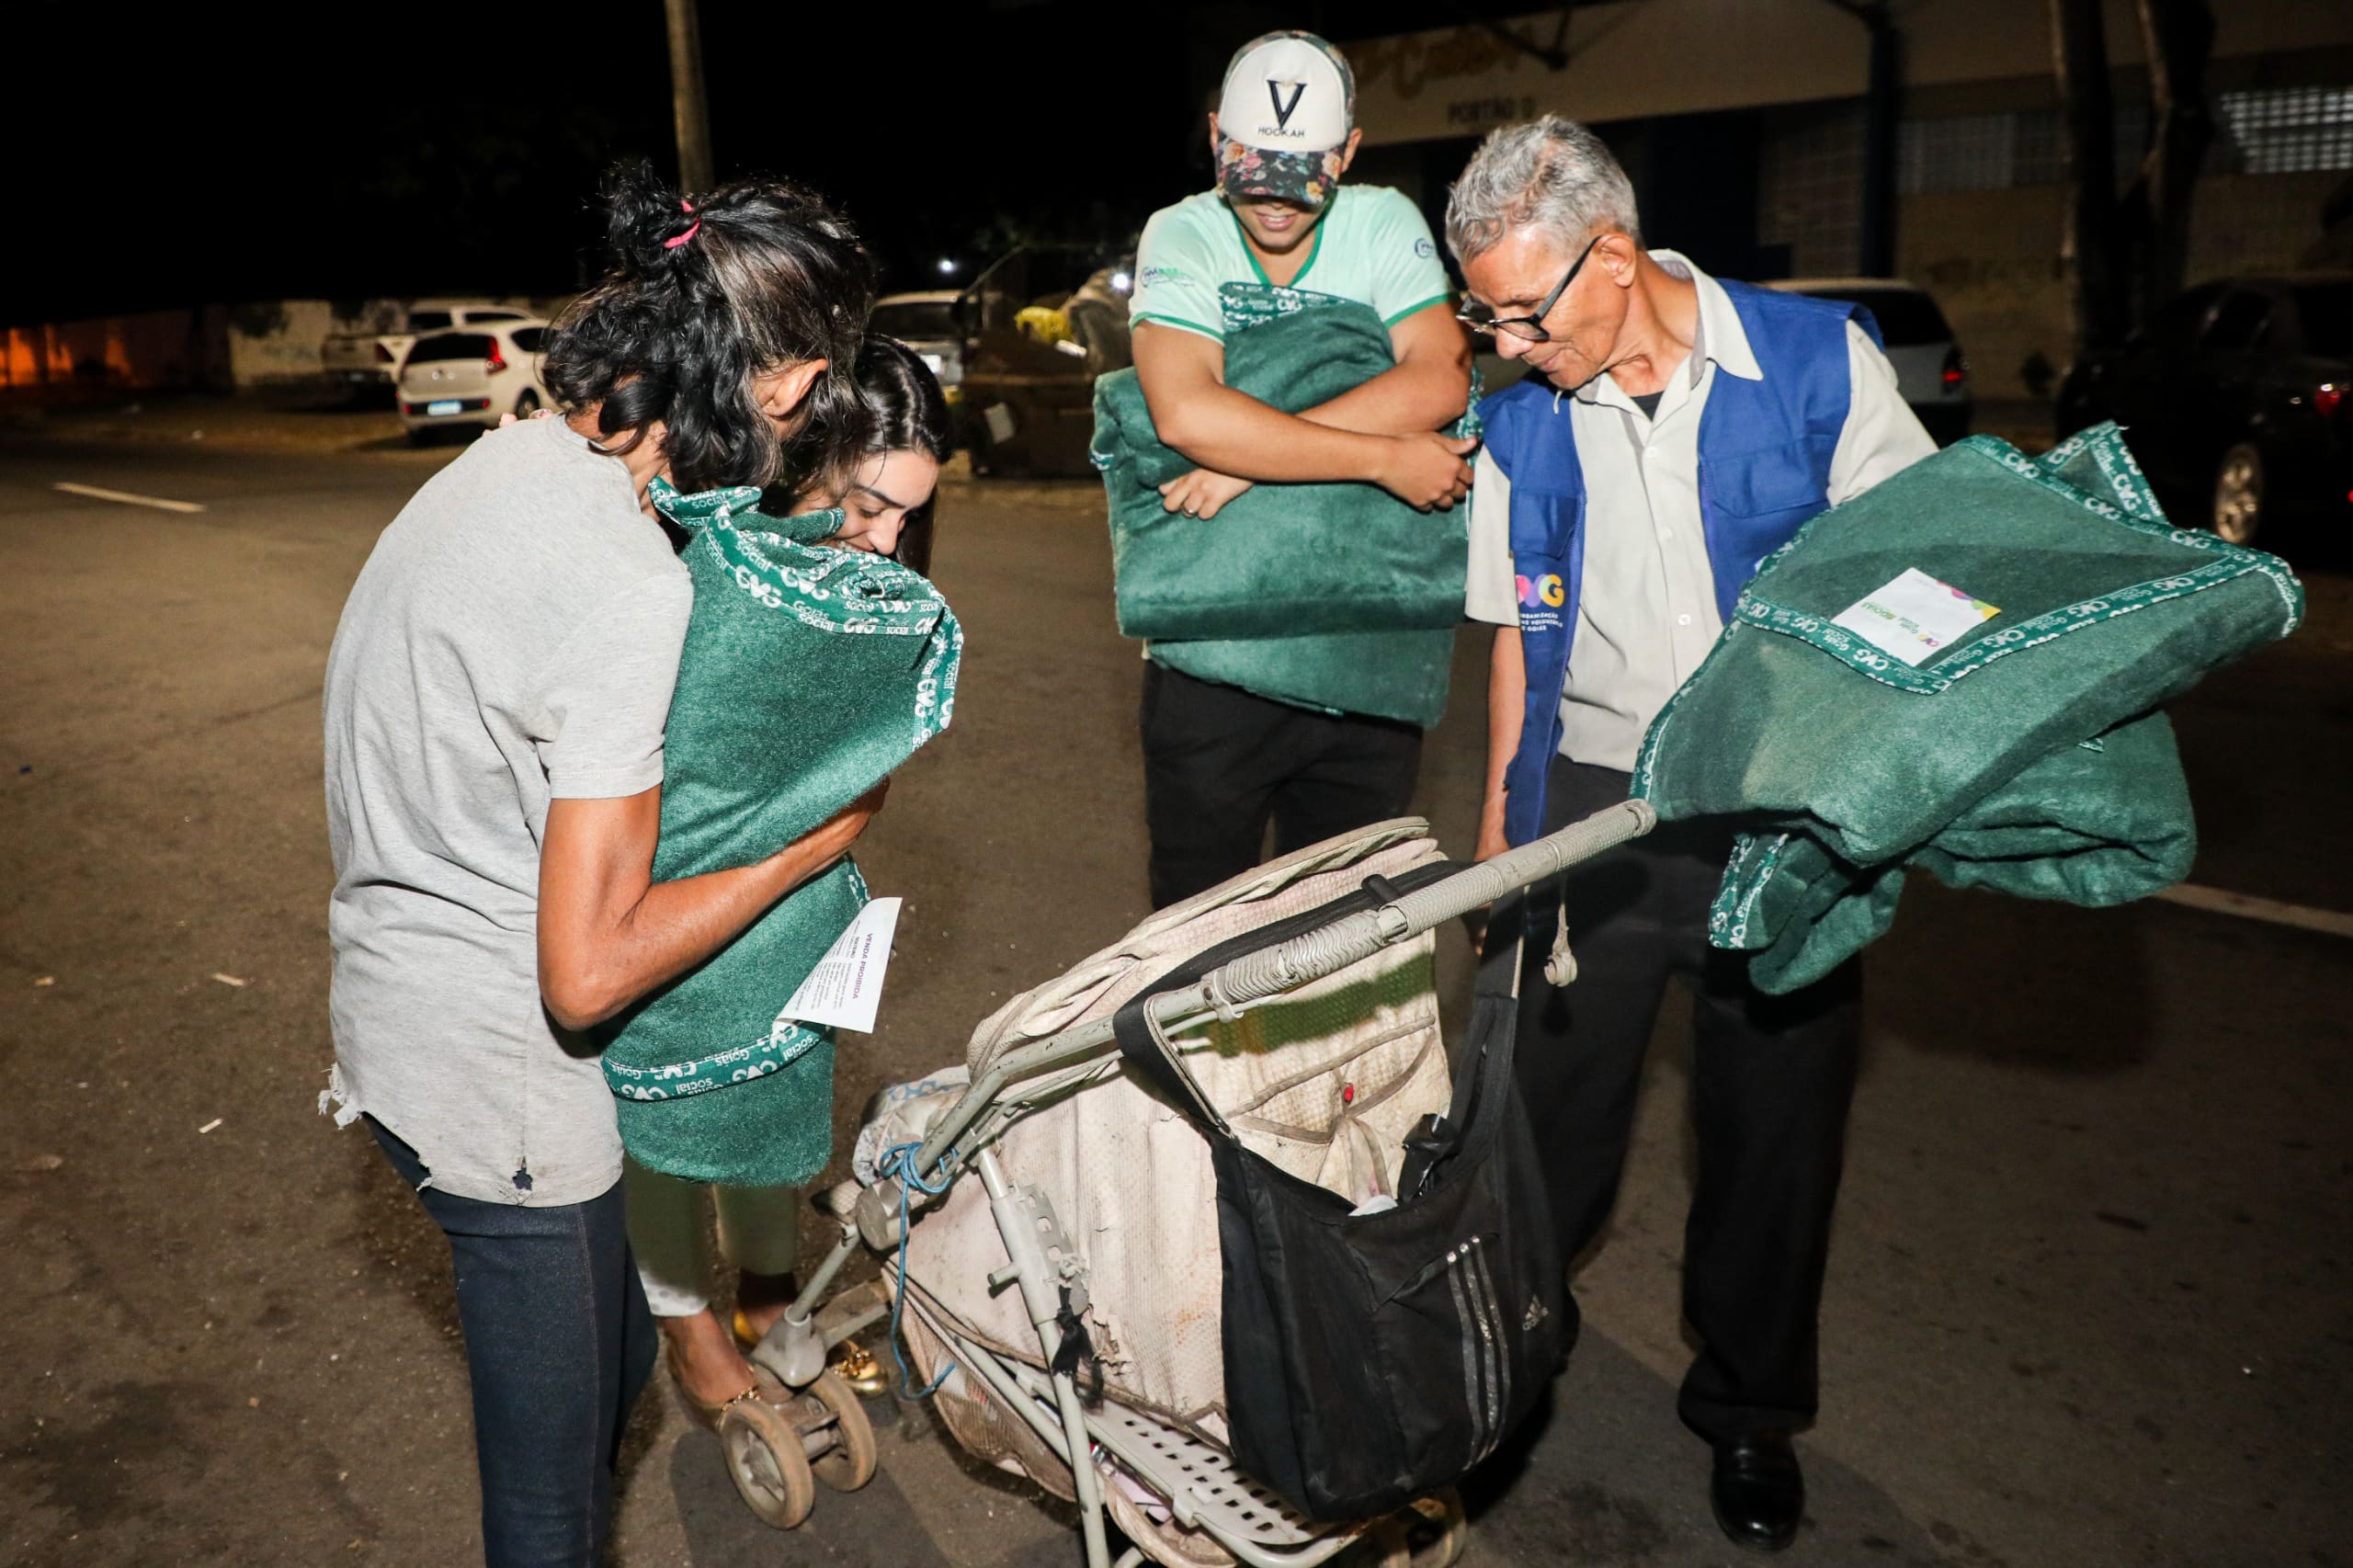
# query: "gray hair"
[[1549, 174]]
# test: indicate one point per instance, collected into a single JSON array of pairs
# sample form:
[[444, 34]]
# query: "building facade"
[[1743, 125]]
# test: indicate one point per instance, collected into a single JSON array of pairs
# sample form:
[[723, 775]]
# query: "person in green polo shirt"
[[1221, 761]]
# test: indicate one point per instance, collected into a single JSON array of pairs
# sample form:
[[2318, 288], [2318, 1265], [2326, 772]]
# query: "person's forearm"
[[678, 923], [1507, 711], [1231, 432], [1420, 394], [668, 929]]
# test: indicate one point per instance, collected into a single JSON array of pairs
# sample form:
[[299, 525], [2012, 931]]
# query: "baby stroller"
[[1050, 1225]]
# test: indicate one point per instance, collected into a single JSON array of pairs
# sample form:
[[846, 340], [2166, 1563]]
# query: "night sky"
[[171, 157]]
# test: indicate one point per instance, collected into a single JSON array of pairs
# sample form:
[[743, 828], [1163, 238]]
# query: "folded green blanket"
[[808, 676], [1278, 560], [2099, 822], [1972, 765], [1338, 597], [1380, 675]]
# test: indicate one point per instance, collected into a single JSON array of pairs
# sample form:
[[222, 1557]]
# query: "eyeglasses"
[[1528, 328]]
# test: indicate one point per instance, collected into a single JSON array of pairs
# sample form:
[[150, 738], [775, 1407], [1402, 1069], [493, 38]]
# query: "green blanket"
[[1975, 765], [808, 676], [2100, 823], [1334, 597]]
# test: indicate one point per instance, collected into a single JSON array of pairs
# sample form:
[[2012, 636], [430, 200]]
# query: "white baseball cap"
[[1283, 117]]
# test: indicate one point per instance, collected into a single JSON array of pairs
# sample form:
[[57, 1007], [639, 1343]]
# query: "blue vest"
[[1765, 452]]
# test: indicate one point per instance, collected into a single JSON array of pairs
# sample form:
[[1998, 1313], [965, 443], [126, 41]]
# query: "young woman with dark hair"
[[495, 702], [885, 489], [887, 494]]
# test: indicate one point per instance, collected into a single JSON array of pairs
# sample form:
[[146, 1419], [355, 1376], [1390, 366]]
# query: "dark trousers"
[[1219, 761], [1771, 1078], [558, 1345]]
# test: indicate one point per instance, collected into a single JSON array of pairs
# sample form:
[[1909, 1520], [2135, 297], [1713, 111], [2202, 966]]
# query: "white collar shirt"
[[1646, 602]]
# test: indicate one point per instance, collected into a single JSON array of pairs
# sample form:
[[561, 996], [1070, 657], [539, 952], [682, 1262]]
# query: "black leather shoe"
[[1757, 1490]]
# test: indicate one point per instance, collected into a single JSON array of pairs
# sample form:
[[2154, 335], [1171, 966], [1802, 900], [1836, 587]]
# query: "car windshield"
[[916, 320], [2326, 311], [1906, 317], [452, 345]]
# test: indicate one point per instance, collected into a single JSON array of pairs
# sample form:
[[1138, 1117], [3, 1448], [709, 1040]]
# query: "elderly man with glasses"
[[1674, 432]]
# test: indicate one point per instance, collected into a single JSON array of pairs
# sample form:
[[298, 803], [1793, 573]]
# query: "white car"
[[368, 357], [926, 323], [468, 380], [1929, 368]]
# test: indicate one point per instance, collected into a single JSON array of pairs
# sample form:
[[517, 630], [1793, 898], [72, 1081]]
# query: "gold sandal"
[[707, 1414], [855, 1366]]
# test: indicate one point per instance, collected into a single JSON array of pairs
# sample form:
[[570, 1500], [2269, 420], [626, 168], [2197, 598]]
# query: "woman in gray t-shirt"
[[496, 700]]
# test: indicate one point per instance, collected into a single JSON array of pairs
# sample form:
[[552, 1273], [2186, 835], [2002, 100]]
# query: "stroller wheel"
[[849, 1463], [767, 1463], [1435, 1529], [1429, 1532], [1382, 1546]]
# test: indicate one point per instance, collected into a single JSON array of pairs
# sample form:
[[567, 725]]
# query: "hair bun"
[[641, 213]]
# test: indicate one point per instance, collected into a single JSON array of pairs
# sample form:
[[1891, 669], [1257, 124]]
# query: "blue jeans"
[[558, 1345]]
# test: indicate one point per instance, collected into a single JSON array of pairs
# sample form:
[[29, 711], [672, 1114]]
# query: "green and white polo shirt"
[[1371, 246]]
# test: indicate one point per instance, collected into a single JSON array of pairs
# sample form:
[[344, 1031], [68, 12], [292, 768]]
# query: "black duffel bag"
[[1369, 1359]]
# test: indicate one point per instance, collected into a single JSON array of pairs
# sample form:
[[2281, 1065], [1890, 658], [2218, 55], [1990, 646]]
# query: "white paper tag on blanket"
[[1914, 616], [846, 985]]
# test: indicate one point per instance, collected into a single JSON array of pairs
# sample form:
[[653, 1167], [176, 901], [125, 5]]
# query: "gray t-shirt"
[[514, 638]]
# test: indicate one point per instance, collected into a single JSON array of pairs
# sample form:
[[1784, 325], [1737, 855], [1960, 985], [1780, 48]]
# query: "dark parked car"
[[2237, 398]]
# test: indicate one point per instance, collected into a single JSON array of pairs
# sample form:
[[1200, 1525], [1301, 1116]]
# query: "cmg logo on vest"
[[1541, 598]]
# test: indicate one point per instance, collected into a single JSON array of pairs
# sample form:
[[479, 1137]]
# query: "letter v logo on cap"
[[1283, 111]]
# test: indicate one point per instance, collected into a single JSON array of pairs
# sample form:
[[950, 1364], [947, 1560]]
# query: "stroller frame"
[[1198, 1481]]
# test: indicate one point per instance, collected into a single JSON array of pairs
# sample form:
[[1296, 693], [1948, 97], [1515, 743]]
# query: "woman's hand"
[[831, 839], [1201, 493], [609, 933]]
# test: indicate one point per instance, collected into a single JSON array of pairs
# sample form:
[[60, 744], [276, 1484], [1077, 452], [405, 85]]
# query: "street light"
[[947, 265]]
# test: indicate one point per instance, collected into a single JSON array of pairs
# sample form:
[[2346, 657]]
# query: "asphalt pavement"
[[2089, 1299]]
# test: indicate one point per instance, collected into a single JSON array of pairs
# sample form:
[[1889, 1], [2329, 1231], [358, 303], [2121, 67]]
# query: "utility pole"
[[2090, 245], [2179, 35], [687, 103], [1882, 110]]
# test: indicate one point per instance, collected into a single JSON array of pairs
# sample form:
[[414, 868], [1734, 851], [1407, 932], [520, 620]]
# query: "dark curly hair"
[[701, 297], [904, 410]]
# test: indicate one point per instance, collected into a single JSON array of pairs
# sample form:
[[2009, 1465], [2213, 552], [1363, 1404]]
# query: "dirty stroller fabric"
[[2010, 742], [1327, 1081], [808, 676], [1336, 597], [1371, 1357]]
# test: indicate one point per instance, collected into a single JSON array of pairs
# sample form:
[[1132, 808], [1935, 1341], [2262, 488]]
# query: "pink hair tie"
[[675, 240]]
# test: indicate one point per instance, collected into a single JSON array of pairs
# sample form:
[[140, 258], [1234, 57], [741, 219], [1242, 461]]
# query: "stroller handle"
[[1312, 955]]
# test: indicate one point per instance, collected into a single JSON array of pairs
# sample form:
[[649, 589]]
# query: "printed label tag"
[[846, 985], [1914, 616]]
